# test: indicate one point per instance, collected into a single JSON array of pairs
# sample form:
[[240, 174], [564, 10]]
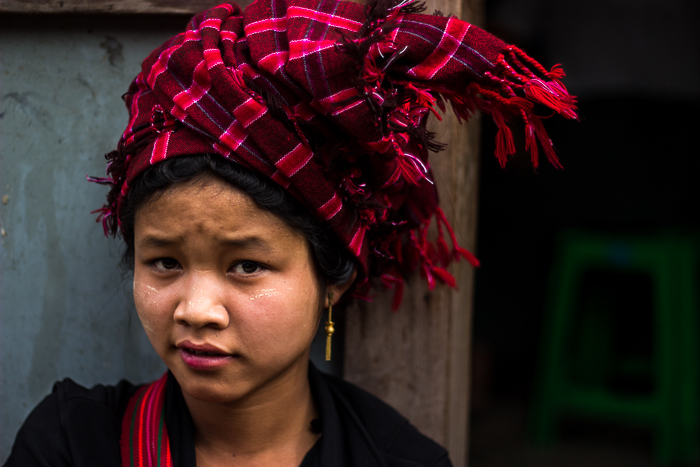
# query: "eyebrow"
[[250, 243], [150, 241]]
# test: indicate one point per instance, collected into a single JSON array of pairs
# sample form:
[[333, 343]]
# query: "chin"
[[241, 379], [214, 394], [212, 388]]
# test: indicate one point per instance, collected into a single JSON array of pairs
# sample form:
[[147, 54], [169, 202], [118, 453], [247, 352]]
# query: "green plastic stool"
[[671, 409]]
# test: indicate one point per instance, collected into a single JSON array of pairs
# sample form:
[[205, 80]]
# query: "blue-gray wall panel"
[[65, 306]]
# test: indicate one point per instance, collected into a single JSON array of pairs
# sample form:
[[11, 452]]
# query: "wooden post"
[[418, 359]]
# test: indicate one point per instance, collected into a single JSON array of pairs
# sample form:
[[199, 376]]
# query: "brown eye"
[[166, 263], [247, 267]]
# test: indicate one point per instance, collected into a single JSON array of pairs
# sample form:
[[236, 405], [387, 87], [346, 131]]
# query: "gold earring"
[[329, 326]]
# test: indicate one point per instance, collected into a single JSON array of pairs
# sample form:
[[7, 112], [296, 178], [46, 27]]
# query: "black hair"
[[333, 262]]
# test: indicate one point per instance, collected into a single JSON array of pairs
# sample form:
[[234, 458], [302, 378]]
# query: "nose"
[[203, 303]]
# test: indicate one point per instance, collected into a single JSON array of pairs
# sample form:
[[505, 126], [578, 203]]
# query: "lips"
[[203, 356], [200, 352]]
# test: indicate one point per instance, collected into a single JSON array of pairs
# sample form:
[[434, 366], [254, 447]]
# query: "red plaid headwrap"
[[329, 99]]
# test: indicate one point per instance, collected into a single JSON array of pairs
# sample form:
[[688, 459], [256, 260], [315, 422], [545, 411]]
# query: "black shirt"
[[80, 427]]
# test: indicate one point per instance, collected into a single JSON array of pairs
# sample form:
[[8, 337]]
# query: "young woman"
[[275, 165]]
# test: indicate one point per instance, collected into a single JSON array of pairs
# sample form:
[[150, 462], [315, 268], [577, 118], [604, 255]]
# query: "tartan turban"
[[329, 99]]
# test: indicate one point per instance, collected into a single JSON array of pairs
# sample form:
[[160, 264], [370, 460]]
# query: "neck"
[[271, 427]]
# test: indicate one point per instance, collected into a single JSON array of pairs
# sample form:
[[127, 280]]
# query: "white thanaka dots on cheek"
[[265, 293], [146, 292], [146, 326], [151, 290]]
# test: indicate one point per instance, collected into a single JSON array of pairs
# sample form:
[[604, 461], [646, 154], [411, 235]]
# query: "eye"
[[165, 264], [246, 267]]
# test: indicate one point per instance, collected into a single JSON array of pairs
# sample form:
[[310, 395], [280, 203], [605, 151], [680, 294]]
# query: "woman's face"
[[226, 291]]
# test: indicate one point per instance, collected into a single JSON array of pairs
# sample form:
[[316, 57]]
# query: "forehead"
[[212, 205]]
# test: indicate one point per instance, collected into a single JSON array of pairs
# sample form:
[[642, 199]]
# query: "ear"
[[337, 290]]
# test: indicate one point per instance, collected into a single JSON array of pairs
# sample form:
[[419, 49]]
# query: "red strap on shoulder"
[[144, 441]]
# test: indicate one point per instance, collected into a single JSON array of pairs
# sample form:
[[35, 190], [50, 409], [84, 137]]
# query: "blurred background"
[[630, 174], [579, 359]]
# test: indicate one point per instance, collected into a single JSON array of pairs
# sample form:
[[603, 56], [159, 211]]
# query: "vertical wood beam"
[[418, 359]]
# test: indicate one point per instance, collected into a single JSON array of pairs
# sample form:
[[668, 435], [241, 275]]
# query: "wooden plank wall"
[[418, 359]]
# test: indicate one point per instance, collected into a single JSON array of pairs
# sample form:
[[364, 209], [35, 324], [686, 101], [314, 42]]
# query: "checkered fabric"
[[329, 99]]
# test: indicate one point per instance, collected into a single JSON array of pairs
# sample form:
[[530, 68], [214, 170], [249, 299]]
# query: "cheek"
[[151, 305], [301, 299], [284, 315]]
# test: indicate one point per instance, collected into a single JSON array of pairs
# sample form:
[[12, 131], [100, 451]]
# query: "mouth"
[[203, 356], [202, 352]]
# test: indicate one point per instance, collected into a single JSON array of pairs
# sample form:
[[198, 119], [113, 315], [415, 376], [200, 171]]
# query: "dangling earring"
[[329, 326]]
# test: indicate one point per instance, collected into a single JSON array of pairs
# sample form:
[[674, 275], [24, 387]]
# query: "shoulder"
[[68, 392], [391, 433], [97, 408], [73, 426]]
